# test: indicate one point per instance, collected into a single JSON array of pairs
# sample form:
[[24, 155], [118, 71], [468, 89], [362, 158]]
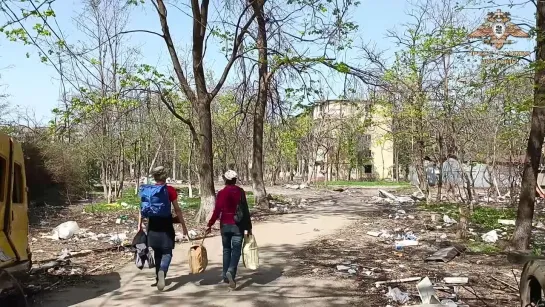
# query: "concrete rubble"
[[297, 186], [397, 295], [448, 220]]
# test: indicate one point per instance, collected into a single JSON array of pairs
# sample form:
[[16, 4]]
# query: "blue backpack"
[[154, 201]]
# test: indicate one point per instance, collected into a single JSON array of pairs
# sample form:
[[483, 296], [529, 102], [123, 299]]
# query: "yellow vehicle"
[[15, 256]]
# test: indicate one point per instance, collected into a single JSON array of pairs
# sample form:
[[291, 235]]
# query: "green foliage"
[[21, 13], [479, 247], [488, 217], [106, 208], [484, 217], [130, 201]]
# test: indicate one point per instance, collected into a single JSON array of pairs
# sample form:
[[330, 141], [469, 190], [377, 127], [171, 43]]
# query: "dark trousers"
[[231, 237], [163, 257], [162, 243]]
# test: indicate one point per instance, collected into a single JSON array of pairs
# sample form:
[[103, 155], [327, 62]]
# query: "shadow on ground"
[[88, 287], [262, 287]]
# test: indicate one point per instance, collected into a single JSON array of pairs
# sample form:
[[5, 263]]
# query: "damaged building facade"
[[351, 142]]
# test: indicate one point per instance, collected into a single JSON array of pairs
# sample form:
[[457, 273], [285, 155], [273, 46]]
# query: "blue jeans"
[[162, 260], [231, 238]]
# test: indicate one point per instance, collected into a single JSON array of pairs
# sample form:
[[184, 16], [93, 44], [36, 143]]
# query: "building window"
[[3, 174], [368, 169], [18, 188]]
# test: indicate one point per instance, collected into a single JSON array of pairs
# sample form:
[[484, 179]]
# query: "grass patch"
[[189, 203], [129, 199], [366, 183], [485, 217], [444, 208], [488, 217], [103, 208], [483, 248], [184, 191]]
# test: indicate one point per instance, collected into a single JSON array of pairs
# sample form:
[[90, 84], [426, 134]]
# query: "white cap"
[[230, 175]]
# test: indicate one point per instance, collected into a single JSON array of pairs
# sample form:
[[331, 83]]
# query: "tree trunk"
[[138, 161], [525, 213], [152, 164], [189, 181], [206, 176], [461, 233], [174, 157], [122, 178], [440, 179], [104, 179], [274, 176], [110, 175], [261, 107]]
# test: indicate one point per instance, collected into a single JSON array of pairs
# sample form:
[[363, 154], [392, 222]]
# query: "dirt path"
[[267, 286]]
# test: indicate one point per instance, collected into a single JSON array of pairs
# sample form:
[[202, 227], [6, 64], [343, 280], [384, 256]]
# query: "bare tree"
[[201, 97], [525, 212]]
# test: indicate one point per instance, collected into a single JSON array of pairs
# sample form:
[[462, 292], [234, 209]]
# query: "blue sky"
[[32, 84]]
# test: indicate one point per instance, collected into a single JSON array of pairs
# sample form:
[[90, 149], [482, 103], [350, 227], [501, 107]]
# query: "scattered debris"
[[118, 238], [374, 233], [192, 234], [418, 196], [292, 186], [514, 288], [456, 280], [490, 237], [427, 292], [397, 281], [448, 303], [448, 220], [444, 255], [65, 253], [296, 186], [397, 295], [507, 222], [405, 199], [388, 195], [404, 243], [65, 230], [342, 267]]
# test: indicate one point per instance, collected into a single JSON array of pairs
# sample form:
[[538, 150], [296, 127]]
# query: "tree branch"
[[239, 37], [162, 12]]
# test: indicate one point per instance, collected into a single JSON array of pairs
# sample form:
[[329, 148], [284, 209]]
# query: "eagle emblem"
[[497, 28]]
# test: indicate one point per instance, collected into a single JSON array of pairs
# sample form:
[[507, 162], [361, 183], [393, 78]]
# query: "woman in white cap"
[[227, 202]]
